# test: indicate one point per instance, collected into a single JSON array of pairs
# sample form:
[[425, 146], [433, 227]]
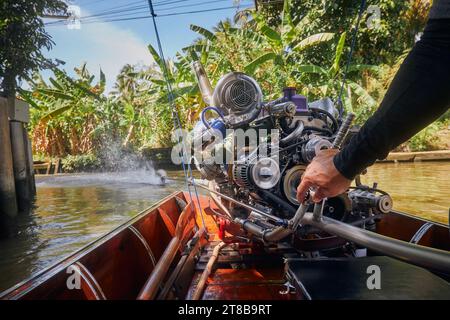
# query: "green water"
[[420, 188], [71, 211]]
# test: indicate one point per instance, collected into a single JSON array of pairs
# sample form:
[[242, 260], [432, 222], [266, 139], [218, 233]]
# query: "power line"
[[122, 16], [203, 3], [116, 9], [105, 13], [120, 9], [198, 11], [89, 3], [121, 12]]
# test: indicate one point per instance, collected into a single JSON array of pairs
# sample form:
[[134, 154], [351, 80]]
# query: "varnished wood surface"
[[117, 265]]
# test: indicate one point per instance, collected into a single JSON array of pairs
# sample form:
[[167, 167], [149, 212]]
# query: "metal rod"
[[244, 205], [218, 202], [340, 136], [430, 258], [168, 285], [152, 285], [276, 233]]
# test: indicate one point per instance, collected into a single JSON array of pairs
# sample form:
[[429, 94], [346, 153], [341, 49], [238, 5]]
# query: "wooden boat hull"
[[123, 264]]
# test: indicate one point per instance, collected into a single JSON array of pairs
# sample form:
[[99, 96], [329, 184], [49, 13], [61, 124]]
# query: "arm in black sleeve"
[[418, 95]]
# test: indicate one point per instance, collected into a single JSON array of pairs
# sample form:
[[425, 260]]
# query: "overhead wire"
[[117, 19], [118, 9], [175, 114], [116, 14]]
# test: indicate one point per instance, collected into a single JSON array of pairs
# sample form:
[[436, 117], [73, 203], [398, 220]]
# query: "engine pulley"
[[263, 173], [312, 148], [291, 180]]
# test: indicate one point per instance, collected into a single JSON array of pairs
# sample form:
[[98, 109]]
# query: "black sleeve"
[[418, 95]]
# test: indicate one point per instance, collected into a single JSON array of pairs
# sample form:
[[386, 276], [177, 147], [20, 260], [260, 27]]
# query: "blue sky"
[[110, 45]]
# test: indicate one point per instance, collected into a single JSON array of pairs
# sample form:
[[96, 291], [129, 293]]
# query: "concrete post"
[[8, 202]]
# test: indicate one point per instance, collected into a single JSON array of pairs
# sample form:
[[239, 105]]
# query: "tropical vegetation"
[[298, 43]]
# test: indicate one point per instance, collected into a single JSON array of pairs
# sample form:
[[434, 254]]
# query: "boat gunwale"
[[73, 257], [409, 215]]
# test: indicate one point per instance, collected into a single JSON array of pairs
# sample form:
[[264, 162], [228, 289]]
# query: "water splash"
[[116, 158], [130, 177], [118, 166]]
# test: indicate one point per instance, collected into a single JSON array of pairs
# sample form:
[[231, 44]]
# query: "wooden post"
[[20, 162], [57, 166], [8, 202], [19, 115], [30, 164]]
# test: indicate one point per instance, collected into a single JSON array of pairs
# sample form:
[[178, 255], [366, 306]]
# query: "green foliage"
[[81, 163], [425, 139], [316, 82], [303, 44], [22, 37], [397, 26], [64, 118]]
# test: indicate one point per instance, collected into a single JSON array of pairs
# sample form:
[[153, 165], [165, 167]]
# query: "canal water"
[[73, 210]]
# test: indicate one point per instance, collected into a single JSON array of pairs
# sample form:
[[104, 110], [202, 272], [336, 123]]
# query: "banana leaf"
[[204, 32], [252, 66]]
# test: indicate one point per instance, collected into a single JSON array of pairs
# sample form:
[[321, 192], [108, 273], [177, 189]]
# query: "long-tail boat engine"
[[253, 154]]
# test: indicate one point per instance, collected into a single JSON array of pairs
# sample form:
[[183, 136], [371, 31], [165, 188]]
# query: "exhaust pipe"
[[203, 82]]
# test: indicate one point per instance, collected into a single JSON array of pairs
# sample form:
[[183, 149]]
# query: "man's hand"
[[322, 175]]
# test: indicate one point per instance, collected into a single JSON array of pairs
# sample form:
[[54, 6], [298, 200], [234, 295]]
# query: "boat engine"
[[253, 153]]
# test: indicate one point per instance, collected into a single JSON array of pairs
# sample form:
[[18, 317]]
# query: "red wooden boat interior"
[[118, 265]]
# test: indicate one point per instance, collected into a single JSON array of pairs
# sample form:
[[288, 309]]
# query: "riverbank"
[[438, 155], [161, 159]]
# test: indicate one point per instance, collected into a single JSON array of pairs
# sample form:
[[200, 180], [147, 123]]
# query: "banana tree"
[[64, 93], [284, 42], [184, 90], [317, 81], [63, 114], [126, 93]]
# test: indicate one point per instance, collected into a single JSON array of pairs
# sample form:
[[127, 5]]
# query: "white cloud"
[[100, 45]]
